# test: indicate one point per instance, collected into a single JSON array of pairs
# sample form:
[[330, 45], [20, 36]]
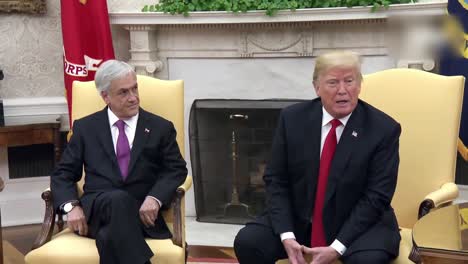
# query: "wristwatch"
[[69, 206]]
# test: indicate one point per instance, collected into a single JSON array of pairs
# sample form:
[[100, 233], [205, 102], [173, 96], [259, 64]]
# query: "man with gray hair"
[[132, 166], [331, 177]]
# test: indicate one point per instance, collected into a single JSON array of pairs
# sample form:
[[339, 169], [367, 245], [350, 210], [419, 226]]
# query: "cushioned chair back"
[[164, 98], [428, 108]]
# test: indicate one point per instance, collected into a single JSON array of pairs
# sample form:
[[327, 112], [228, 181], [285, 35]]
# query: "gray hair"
[[111, 70]]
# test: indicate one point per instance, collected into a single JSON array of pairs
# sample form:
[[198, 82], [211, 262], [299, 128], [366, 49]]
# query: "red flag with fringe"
[[87, 41]]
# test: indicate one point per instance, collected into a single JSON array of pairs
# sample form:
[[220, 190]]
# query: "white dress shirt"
[[326, 127], [130, 129]]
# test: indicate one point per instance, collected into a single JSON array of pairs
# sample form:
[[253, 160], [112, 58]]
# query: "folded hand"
[[149, 211], [294, 251], [76, 221], [321, 255]]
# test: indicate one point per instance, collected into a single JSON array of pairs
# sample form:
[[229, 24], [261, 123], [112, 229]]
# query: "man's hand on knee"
[[294, 251], [149, 211], [321, 255], [76, 221]]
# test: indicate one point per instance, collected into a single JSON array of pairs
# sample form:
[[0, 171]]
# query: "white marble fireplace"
[[253, 56]]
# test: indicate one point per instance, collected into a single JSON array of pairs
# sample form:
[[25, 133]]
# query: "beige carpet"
[[11, 255]]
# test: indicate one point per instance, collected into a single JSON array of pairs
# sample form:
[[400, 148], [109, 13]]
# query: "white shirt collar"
[[326, 118], [131, 122]]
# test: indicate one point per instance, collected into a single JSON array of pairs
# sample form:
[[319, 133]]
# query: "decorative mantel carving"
[[157, 37]]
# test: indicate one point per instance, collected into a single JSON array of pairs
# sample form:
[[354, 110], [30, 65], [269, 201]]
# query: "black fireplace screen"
[[230, 143]]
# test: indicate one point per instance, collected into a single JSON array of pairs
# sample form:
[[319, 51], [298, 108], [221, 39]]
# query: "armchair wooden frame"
[[50, 216], [162, 97]]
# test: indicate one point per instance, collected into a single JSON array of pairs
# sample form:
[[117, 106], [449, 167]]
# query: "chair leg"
[[186, 252]]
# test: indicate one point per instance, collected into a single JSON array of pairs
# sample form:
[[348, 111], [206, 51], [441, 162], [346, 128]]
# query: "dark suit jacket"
[[361, 182], [156, 166]]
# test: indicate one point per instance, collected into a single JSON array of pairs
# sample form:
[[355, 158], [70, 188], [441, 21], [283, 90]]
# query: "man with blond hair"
[[330, 179]]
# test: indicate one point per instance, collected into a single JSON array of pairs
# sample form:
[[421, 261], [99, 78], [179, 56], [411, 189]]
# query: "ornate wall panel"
[[31, 53]]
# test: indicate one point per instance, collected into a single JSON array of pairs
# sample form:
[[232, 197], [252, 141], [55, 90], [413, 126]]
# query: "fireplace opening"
[[230, 143]]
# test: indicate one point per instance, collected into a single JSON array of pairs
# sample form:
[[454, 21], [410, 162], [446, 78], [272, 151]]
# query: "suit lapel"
[[344, 149], [141, 136], [313, 129], [105, 136]]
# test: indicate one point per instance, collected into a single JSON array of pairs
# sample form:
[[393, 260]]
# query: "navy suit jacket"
[[156, 166], [361, 182]]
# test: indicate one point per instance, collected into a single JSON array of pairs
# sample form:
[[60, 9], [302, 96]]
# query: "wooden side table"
[[442, 236], [24, 135]]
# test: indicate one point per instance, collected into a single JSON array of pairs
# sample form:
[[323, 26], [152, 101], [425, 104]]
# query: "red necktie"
[[318, 233]]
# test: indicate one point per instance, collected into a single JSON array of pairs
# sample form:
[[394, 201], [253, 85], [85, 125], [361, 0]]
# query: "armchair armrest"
[[178, 229], [447, 193], [187, 184], [48, 223], [49, 220]]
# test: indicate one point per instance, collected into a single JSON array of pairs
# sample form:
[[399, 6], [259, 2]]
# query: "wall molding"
[[36, 110]]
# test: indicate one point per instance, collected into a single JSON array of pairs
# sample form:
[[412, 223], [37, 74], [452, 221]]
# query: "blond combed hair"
[[337, 59]]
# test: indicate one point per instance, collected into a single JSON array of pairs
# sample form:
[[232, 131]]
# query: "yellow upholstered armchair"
[[428, 107], [164, 98]]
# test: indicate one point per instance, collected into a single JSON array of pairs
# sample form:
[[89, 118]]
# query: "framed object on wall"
[[23, 6]]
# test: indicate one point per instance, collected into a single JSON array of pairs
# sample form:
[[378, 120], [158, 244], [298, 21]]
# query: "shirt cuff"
[[157, 200], [287, 235], [339, 247]]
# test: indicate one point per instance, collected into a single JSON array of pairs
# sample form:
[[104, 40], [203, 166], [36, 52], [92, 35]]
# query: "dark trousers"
[[116, 226], [258, 244]]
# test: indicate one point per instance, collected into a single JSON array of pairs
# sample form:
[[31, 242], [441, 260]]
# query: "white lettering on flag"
[[81, 70]]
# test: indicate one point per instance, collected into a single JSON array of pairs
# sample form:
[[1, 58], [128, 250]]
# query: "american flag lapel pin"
[[147, 130], [354, 134]]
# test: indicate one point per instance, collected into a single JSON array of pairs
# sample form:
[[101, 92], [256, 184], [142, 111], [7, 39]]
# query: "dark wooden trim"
[[441, 256], [425, 207], [414, 254], [178, 230], [49, 220], [60, 222], [1, 241]]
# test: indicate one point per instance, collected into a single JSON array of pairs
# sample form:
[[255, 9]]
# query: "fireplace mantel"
[[157, 37], [222, 55], [300, 15]]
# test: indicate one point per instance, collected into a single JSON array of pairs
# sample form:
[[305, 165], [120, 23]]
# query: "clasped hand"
[[319, 255]]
